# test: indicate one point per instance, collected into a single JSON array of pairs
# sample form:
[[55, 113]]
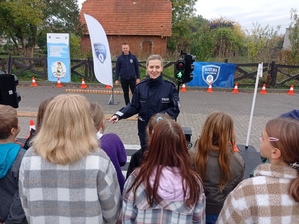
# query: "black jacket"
[[152, 96], [136, 160]]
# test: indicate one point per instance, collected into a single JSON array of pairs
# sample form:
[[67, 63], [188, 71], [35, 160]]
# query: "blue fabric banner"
[[214, 73]]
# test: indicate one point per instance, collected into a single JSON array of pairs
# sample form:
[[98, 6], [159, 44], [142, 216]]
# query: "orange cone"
[[83, 85], [235, 91], [58, 85], [263, 91], [183, 88], [31, 125], [291, 91], [235, 148], [33, 83], [108, 87], [210, 90]]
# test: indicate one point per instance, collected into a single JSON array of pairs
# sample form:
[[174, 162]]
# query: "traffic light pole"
[[183, 73], [179, 84]]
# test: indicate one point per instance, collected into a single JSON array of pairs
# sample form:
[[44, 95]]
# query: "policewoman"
[[152, 95]]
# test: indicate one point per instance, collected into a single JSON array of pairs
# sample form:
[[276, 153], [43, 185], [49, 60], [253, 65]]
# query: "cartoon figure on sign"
[[58, 69], [100, 51], [210, 73]]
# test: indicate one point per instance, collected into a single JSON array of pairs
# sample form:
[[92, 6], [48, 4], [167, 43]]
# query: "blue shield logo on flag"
[[210, 73], [100, 51]]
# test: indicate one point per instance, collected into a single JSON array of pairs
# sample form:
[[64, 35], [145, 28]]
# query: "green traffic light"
[[179, 75]]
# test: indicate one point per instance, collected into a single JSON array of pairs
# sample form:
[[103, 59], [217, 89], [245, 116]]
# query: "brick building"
[[143, 24]]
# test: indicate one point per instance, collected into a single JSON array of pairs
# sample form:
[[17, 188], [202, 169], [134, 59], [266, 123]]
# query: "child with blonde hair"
[[65, 177]]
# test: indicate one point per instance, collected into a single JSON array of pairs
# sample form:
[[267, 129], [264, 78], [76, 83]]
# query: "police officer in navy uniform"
[[152, 95], [127, 69]]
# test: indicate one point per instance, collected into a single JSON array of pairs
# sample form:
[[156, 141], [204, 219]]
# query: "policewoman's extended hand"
[[113, 119]]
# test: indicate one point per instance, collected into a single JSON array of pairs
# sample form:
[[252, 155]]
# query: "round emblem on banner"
[[100, 51], [210, 79]]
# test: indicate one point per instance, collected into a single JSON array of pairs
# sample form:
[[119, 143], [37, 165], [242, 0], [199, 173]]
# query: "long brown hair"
[[217, 135], [287, 131], [167, 147], [41, 111]]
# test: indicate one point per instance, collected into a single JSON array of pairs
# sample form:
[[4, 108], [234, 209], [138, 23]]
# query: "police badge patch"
[[100, 51], [210, 73]]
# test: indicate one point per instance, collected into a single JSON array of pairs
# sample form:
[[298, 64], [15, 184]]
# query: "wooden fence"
[[275, 75]]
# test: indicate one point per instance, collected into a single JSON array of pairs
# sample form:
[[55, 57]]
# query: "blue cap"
[[294, 114]]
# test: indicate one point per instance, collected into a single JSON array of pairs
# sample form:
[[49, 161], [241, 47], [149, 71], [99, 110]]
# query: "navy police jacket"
[[152, 96], [127, 67]]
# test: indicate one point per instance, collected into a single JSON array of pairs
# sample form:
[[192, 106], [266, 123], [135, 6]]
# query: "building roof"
[[131, 17]]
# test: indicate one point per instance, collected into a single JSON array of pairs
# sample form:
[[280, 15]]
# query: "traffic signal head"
[[180, 69], [189, 59]]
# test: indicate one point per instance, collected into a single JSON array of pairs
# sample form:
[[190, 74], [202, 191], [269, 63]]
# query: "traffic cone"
[[210, 90], [108, 87], [33, 83], [183, 89], [235, 148], [291, 91], [58, 85], [83, 85], [263, 91], [235, 89], [31, 125]]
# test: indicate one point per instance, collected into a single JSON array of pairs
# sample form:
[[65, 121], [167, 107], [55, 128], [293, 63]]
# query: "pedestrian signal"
[[184, 68], [180, 69]]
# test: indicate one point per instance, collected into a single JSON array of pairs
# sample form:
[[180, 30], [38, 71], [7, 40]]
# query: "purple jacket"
[[115, 149]]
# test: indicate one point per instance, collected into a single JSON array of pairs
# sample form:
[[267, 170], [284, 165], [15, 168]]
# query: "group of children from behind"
[[72, 171]]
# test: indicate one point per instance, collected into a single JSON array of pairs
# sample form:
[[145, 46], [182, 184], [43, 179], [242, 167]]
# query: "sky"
[[247, 12]]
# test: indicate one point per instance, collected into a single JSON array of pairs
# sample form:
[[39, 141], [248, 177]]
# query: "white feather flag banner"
[[100, 51]]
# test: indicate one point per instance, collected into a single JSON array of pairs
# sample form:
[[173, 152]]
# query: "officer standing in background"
[[127, 69]]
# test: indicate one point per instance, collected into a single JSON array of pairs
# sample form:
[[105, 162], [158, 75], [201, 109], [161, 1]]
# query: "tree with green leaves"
[[201, 41], [182, 10], [61, 17], [262, 43], [19, 22], [227, 38], [25, 23]]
